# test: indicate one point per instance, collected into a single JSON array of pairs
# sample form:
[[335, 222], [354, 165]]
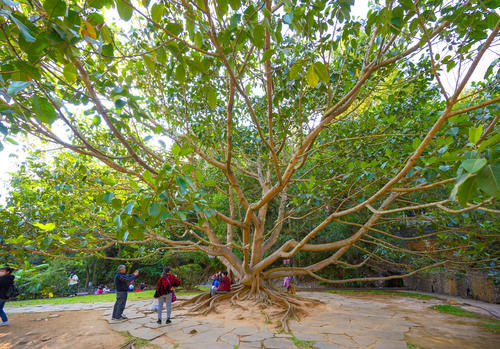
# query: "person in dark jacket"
[[164, 288], [6, 280], [121, 284]]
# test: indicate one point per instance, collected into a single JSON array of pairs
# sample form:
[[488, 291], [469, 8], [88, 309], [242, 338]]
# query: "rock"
[[54, 315]]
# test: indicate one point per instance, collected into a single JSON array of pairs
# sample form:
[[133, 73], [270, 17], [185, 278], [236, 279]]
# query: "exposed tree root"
[[289, 306]]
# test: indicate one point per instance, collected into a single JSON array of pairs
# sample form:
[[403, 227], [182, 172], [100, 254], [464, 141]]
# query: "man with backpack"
[[6, 288]]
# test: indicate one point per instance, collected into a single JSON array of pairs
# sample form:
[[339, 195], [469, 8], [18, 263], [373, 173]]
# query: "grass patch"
[[138, 342], [454, 310], [492, 326], [301, 344], [383, 292], [110, 297], [412, 346]]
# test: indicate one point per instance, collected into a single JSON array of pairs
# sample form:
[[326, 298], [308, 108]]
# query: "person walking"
[[164, 291], [6, 280], [121, 285], [73, 283]]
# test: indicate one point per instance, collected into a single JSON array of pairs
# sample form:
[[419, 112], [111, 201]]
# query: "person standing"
[[73, 283], [121, 284], [6, 280], [164, 288]]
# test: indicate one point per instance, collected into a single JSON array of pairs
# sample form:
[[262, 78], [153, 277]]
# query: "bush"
[[190, 274]]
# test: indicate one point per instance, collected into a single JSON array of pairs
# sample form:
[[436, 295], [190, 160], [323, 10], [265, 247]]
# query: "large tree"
[[291, 111]]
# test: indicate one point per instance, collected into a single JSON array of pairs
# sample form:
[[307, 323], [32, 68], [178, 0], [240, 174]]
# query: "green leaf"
[[45, 227], [186, 150], [182, 184], [235, 4], [70, 73], [488, 180], [107, 197], [11, 141], [322, 72], [129, 207], [117, 221], [124, 10], [475, 133], [312, 78], [55, 8], [116, 204], [473, 165], [295, 71], [44, 110], [23, 29], [155, 209], [17, 86], [199, 176], [212, 97], [267, 55], [258, 35], [466, 190], [180, 74], [150, 64], [156, 12], [120, 103], [176, 149], [490, 141]]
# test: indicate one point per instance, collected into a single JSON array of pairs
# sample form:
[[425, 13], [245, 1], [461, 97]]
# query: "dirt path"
[[70, 329]]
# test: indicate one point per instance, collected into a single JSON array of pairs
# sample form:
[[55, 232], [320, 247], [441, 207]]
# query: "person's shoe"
[[123, 318], [5, 323], [168, 321], [158, 322]]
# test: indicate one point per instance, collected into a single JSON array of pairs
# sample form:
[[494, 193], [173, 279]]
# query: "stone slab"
[[230, 339], [326, 345], [251, 345], [388, 344], [257, 337], [310, 337], [145, 333], [364, 340], [124, 326], [278, 343], [245, 331], [341, 340]]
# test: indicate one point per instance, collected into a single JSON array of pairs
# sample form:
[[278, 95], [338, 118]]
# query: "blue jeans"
[[2, 313], [168, 300]]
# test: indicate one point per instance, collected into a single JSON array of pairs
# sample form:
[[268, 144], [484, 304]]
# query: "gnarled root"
[[290, 306]]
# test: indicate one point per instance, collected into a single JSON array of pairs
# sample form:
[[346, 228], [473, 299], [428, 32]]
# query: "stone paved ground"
[[345, 322]]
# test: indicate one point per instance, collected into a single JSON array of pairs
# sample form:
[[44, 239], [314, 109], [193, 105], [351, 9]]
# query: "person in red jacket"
[[224, 285], [164, 288]]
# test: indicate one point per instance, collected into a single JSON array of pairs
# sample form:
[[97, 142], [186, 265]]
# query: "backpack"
[[12, 292]]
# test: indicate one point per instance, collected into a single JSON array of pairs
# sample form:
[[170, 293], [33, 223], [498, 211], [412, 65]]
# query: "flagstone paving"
[[346, 322]]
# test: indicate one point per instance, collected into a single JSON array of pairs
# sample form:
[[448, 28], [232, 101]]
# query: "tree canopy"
[[257, 131]]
